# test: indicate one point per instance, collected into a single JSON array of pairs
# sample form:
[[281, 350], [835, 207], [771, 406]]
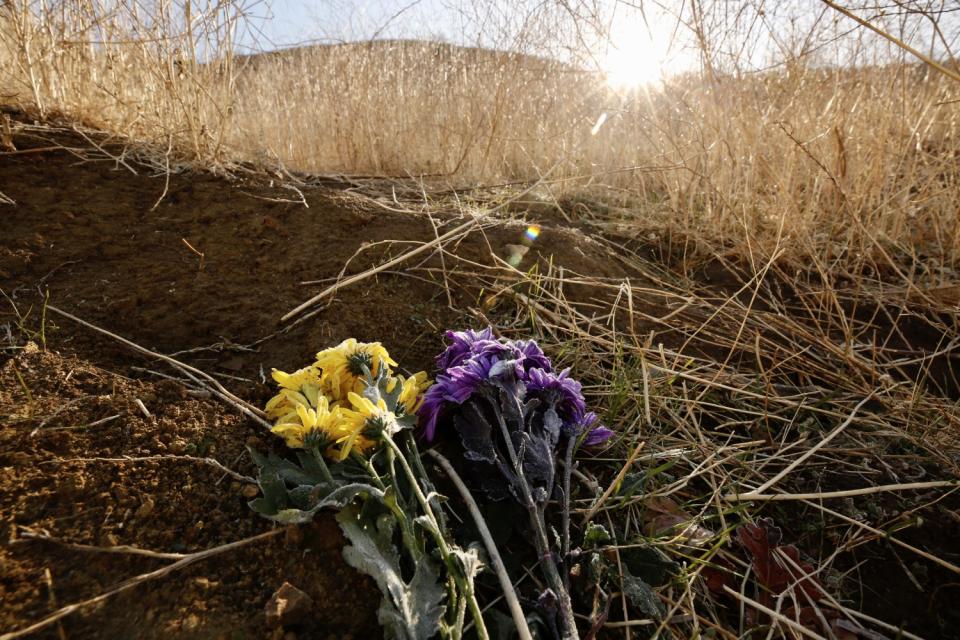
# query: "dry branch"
[[184, 562]]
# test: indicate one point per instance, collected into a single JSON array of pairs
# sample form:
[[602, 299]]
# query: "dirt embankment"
[[207, 268]]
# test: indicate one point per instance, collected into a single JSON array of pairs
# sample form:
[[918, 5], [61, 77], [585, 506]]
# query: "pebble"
[[146, 508], [205, 583], [287, 606]]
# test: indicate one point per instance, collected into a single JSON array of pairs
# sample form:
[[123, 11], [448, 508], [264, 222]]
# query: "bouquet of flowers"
[[351, 421]]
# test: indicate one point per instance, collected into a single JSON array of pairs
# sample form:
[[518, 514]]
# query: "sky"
[[290, 22], [642, 39], [641, 46]]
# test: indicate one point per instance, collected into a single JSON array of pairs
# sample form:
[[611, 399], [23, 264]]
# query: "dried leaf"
[[663, 517], [776, 574]]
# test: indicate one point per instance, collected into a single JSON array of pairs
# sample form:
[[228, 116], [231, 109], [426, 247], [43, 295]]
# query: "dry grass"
[[821, 399], [827, 405], [838, 164], [826, 198]]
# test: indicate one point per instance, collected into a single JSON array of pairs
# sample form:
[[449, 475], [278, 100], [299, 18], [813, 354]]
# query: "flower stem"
[[508, 591], [567, 472], [414, 453], [569, 624], [410, 540], [324, 469], [465, 583]]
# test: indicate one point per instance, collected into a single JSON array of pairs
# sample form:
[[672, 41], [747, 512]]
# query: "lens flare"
[[516, 252]]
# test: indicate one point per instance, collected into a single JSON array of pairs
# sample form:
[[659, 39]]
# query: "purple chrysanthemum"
[[565, 392], [597, 434], [473, 357], [470, 359], [462, 346], [455, 385], [469, 343], [560, 390], [532, 355]]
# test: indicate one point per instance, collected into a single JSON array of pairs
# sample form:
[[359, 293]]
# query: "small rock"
[[251, 491], [205, 583], [146, 508], [192, 622], [287, 606]]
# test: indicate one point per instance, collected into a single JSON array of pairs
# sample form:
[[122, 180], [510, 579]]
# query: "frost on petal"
[[462, 344], [561, 390]]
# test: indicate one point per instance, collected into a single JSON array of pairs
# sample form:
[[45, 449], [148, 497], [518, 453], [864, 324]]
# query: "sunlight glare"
[[639, 53]]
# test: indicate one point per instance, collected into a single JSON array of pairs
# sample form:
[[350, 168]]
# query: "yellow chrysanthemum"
[[342, 366], [411, 390], [298, 388], [363, 425], [295, 427]]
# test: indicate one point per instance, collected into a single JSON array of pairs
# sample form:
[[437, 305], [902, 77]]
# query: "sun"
[[641, 53]]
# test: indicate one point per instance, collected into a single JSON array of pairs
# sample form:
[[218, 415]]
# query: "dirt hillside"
[[116, 244]]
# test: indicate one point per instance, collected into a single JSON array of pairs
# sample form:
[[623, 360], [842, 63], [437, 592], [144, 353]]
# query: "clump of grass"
[[766, 406]]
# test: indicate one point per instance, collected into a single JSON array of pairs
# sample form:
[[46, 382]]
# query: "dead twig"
[[26, 533], [826, 495], [126, 585], [208, 461], [459, 230], [198, 377]]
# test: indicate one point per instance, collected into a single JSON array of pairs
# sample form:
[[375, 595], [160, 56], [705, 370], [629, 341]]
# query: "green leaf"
[[427, 525], [641, 595], [288, 470], [339, 497], [408, 610], [303, 496], [596, 535], [309, 464], [274, 494], [258, 458], [293, 493], [408, 421], [632, 484]]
